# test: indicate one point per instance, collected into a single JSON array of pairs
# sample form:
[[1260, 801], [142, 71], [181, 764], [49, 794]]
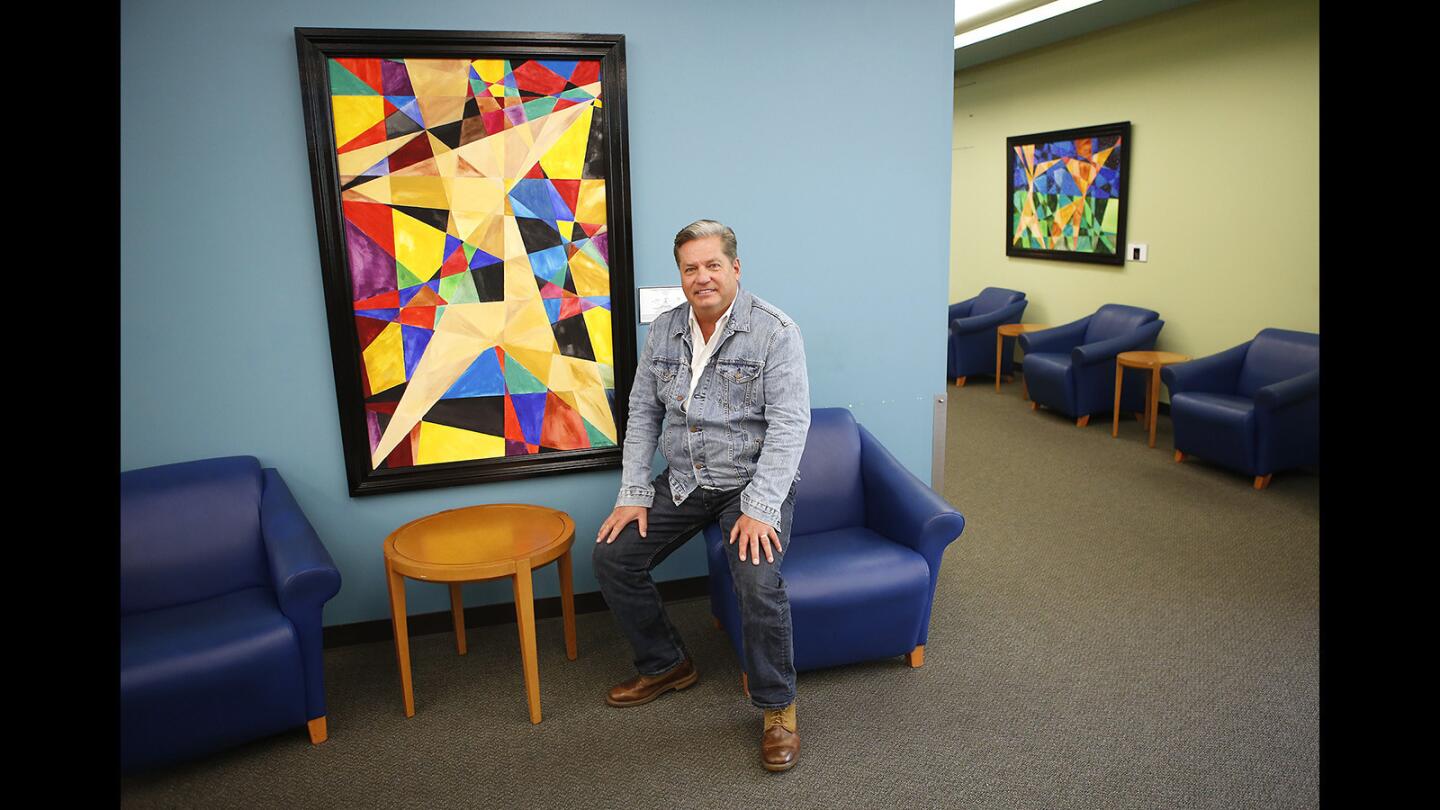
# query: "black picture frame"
[[315, 46], [1118, 160]]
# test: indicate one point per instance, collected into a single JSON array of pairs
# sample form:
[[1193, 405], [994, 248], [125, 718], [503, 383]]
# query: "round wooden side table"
[[1152, 361], [1003, 331], [476, 543]]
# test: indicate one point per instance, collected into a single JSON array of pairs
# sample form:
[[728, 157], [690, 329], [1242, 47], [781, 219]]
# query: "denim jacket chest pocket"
[[667, 378], [739, 382]]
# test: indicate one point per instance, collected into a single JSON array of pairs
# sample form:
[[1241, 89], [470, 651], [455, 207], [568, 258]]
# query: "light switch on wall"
[[1136, 252]]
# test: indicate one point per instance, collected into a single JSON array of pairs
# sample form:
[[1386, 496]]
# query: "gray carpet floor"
[[1113, 629]]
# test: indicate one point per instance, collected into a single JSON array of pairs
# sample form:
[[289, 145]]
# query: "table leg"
[[457, 613], [999, 349], [402, 635], [567, 602], [1119, 375], [1153, 414], [525, 619]]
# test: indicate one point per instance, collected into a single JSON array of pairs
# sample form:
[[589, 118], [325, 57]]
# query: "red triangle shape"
[[390, 300], [563, 428], [569, 192], [454, 265], [587, 72], [369, 137], [569, 307], [561, 104], [368, 329], [536, 172], [416, 151], [551, 291], [590, 230], [418, 316], [376, 221], [367, 71]]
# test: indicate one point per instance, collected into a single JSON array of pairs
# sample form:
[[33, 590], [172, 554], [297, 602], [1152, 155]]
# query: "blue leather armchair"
[[222, 584], [972, 333], [1071, 368], [864, 552], [1253, 408]]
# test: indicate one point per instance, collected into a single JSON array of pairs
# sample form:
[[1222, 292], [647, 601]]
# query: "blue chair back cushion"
[[1275, 355], [1115, 320], [831, 494], [993, 298], [190, 531]]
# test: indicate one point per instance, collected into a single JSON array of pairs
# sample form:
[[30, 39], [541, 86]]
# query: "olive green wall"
[[1223, 99]]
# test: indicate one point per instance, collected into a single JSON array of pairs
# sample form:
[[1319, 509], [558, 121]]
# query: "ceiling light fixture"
[[983, 13]]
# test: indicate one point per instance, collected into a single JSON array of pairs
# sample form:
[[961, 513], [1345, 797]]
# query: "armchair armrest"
[[1216, 373], [1061, 338], [899, 506], [961, 309], [1103, 350], [1288, 392], [988, 320], [302, 571]]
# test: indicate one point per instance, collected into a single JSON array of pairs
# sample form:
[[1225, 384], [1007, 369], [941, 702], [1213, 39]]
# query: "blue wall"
[[820, 132]]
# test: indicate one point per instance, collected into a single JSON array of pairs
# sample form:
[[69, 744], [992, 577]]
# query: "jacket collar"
[[739, 314]]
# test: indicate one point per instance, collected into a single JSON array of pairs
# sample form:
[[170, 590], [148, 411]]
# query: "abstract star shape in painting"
[[473, 195]]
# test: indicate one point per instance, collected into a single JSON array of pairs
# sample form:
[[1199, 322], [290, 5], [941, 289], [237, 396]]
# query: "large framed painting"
[[1065, 195], [472, 206]]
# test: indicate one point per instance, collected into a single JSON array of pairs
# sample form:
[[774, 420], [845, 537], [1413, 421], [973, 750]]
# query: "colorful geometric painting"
[[1066, 192], [474, 215], [477, 254]]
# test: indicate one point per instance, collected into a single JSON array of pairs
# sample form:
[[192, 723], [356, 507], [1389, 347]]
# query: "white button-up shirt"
[[701, 349]]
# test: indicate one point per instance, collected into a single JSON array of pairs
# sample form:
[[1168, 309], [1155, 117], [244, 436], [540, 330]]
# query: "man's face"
[[710, 278]]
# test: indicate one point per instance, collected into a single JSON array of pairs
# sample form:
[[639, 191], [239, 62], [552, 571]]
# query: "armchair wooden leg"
[[718, 625], [959, 382], [1179, 456], [1034, 406], [1139, 417], [1083, 421], [916, 657], [745, 683], [318, 732], [1263, 481]]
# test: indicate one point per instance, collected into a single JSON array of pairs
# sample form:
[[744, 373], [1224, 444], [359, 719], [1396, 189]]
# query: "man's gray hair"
[[702, 228]]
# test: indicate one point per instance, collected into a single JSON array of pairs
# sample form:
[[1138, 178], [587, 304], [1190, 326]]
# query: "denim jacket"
[[747, 420]]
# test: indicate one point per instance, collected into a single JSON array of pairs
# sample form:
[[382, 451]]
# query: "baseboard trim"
[[344, 635]]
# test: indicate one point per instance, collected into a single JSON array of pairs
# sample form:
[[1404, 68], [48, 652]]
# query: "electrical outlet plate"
[[1136, 252]]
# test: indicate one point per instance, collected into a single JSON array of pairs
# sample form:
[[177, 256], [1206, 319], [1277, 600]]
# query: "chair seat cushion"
[[203, 676], [854, 595], [1216, 427]]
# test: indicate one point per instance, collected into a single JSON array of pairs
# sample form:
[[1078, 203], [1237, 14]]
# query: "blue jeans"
[[624, 567]]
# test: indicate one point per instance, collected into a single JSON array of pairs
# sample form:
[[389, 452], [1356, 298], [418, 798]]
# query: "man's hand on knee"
[[619, 518], [753, 535]]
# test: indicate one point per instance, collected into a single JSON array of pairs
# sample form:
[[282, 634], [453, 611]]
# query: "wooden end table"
[[1003, 331], [1152, 361], [476, 543]]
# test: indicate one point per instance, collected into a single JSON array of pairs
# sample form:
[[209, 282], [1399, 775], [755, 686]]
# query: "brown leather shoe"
[[645, 688], [780, 745]]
